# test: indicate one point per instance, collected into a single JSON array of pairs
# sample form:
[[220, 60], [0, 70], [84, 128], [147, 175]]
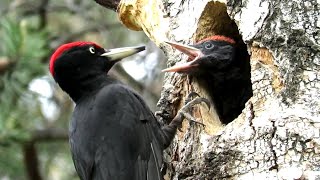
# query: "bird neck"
[[87, 86]]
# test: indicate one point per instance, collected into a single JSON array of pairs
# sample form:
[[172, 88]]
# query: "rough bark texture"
[[277, 136]]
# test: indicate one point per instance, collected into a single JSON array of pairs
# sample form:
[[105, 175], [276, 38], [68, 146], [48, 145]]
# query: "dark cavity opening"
[[230, 87]]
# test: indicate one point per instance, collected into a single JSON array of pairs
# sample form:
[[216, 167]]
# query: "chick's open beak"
[[193, 53], [120, 53]]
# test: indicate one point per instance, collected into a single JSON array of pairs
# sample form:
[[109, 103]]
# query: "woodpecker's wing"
[[114, 135]]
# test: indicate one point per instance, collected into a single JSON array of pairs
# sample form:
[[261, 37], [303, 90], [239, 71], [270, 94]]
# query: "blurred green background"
[[34, 112]]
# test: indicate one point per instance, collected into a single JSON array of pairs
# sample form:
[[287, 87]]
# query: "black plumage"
[[108, 143], [113, 134], [225, 68]]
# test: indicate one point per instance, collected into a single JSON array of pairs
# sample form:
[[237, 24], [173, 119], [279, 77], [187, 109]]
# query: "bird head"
[[76, 56], [213, 53], [75, 65]]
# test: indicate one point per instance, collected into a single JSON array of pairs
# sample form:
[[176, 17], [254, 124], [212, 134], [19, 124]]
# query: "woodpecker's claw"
[[189, 117], [195, 101], [190, 97], [183, 113]]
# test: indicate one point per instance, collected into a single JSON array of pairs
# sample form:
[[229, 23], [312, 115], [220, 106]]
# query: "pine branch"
[[30, 153]]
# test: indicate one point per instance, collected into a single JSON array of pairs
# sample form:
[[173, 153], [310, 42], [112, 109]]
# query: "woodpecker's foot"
[[190, 102], [184, 112], [191, 96], [158, 113]]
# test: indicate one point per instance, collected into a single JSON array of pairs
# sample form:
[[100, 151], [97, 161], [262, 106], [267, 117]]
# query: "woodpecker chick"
[[226, 69]]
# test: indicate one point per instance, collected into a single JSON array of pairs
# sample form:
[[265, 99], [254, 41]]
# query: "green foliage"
[[55, 157], [24, 49], [11, 161]]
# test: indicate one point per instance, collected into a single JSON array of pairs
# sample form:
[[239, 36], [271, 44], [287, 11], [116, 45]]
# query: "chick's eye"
[[208, 45], [92, 50]]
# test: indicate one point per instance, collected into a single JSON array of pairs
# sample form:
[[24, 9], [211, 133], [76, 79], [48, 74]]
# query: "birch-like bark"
[[277, 134]]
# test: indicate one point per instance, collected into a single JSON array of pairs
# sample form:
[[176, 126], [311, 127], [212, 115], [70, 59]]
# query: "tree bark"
[[277, 134]]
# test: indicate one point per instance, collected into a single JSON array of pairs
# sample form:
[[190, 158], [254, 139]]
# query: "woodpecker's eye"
[[92, 50], [208, 45]]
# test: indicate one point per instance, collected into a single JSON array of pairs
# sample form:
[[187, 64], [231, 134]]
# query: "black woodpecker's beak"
[[193, 61], [120, 53]]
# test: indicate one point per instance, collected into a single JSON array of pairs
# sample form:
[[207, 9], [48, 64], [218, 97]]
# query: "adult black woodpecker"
[[113, 134], [226, 69]]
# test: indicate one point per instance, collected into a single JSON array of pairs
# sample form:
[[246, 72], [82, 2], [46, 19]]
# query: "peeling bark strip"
[[277, 136]]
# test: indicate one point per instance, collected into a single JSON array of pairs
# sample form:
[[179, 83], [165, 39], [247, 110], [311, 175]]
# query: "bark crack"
[[273, 134], [251, 116]]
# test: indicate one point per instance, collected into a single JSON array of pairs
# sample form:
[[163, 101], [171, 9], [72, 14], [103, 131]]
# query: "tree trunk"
[[277, 134]]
